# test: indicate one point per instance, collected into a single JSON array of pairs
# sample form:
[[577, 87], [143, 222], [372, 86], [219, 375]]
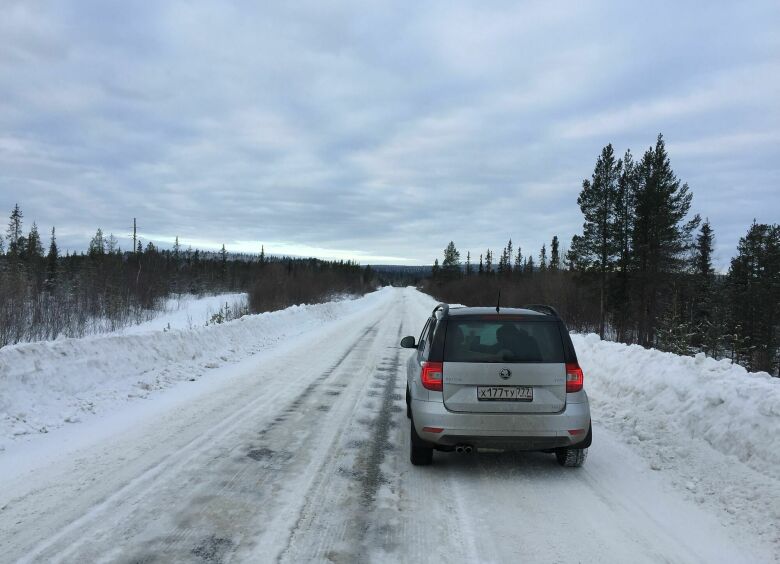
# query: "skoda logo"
[[505, 373]]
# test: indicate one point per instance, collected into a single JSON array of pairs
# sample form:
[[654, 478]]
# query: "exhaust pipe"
[[467, 449], [459, 449], [463, 449]]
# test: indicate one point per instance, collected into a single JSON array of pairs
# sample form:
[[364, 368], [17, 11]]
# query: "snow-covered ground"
[[187, 312], [49, 384], [290, 445]]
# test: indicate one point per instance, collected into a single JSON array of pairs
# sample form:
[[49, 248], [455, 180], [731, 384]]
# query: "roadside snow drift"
[[47, 384], [653, 396]]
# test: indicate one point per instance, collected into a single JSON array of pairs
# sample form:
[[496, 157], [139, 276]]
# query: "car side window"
[[428, 338], [423, 334]]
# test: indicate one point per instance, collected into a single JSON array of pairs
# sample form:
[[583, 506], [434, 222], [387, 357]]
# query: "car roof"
[[465, 311]]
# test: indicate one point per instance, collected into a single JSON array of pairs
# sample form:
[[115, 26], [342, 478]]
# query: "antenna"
[[498, 303]]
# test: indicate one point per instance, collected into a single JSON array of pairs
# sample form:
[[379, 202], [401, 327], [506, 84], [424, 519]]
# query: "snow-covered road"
[[297, 452]]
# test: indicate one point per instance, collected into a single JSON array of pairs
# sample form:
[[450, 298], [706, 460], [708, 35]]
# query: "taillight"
[[574, 377], [431, 375]]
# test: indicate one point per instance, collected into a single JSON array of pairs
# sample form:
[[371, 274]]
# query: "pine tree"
[[660, 236], [435, 270], [488, 262], [176, 249], [555, 259], [139, 249], [597, 202], [481, 270], [620, 296], [262, 254], [468, 264], [543, 259], [451, 264]]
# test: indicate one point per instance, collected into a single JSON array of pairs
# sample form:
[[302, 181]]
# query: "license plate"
[[505, 393]]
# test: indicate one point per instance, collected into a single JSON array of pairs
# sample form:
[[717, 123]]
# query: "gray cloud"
[[377, 130]]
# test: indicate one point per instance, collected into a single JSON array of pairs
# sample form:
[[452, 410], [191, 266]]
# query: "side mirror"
[[408, 343]]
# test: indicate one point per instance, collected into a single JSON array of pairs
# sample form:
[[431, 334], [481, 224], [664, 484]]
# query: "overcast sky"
[[377, 131]]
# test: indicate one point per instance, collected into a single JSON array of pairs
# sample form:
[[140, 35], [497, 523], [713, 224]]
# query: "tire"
[[571, 457], [420, 454], [408, 405]]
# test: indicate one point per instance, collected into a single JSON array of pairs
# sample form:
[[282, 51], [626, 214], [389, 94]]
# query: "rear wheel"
[[571, 457], [420, 453]]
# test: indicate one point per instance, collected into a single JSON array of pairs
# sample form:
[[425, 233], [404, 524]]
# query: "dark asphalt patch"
[[213, 549], [261, 453]]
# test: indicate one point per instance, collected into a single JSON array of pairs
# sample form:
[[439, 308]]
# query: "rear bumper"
[[535, 431]]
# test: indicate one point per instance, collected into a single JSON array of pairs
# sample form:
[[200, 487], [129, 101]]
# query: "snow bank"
[[653, 396], [47, 384], [186, 312]]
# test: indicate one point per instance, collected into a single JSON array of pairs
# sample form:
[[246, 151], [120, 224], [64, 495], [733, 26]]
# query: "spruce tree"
[[543, 259], [34, 246], [519, 261], [450, 266], [573, 260], [754, 299], [508, 259], [112, 244], [481, 270], [223, 262], [97, 246], [51, 261], [435, 269], [661, 235], [501, 267], [706, 328], [488, 262], [14, 231], [555, 259], [469, 269], [528, 269]]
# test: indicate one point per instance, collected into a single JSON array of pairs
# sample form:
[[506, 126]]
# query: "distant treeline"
[[44, 295], [641, 270]]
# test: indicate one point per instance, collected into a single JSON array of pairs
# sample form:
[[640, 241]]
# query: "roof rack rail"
[[542, 308], [445, 309]]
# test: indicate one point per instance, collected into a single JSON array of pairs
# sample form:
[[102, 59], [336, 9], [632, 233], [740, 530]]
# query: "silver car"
[[489, 378]]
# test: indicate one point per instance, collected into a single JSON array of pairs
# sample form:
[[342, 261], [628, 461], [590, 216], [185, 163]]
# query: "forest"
[[640, 271], [45, 295]]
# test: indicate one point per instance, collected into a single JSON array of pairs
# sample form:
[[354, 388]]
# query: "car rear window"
[[475, 340]]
